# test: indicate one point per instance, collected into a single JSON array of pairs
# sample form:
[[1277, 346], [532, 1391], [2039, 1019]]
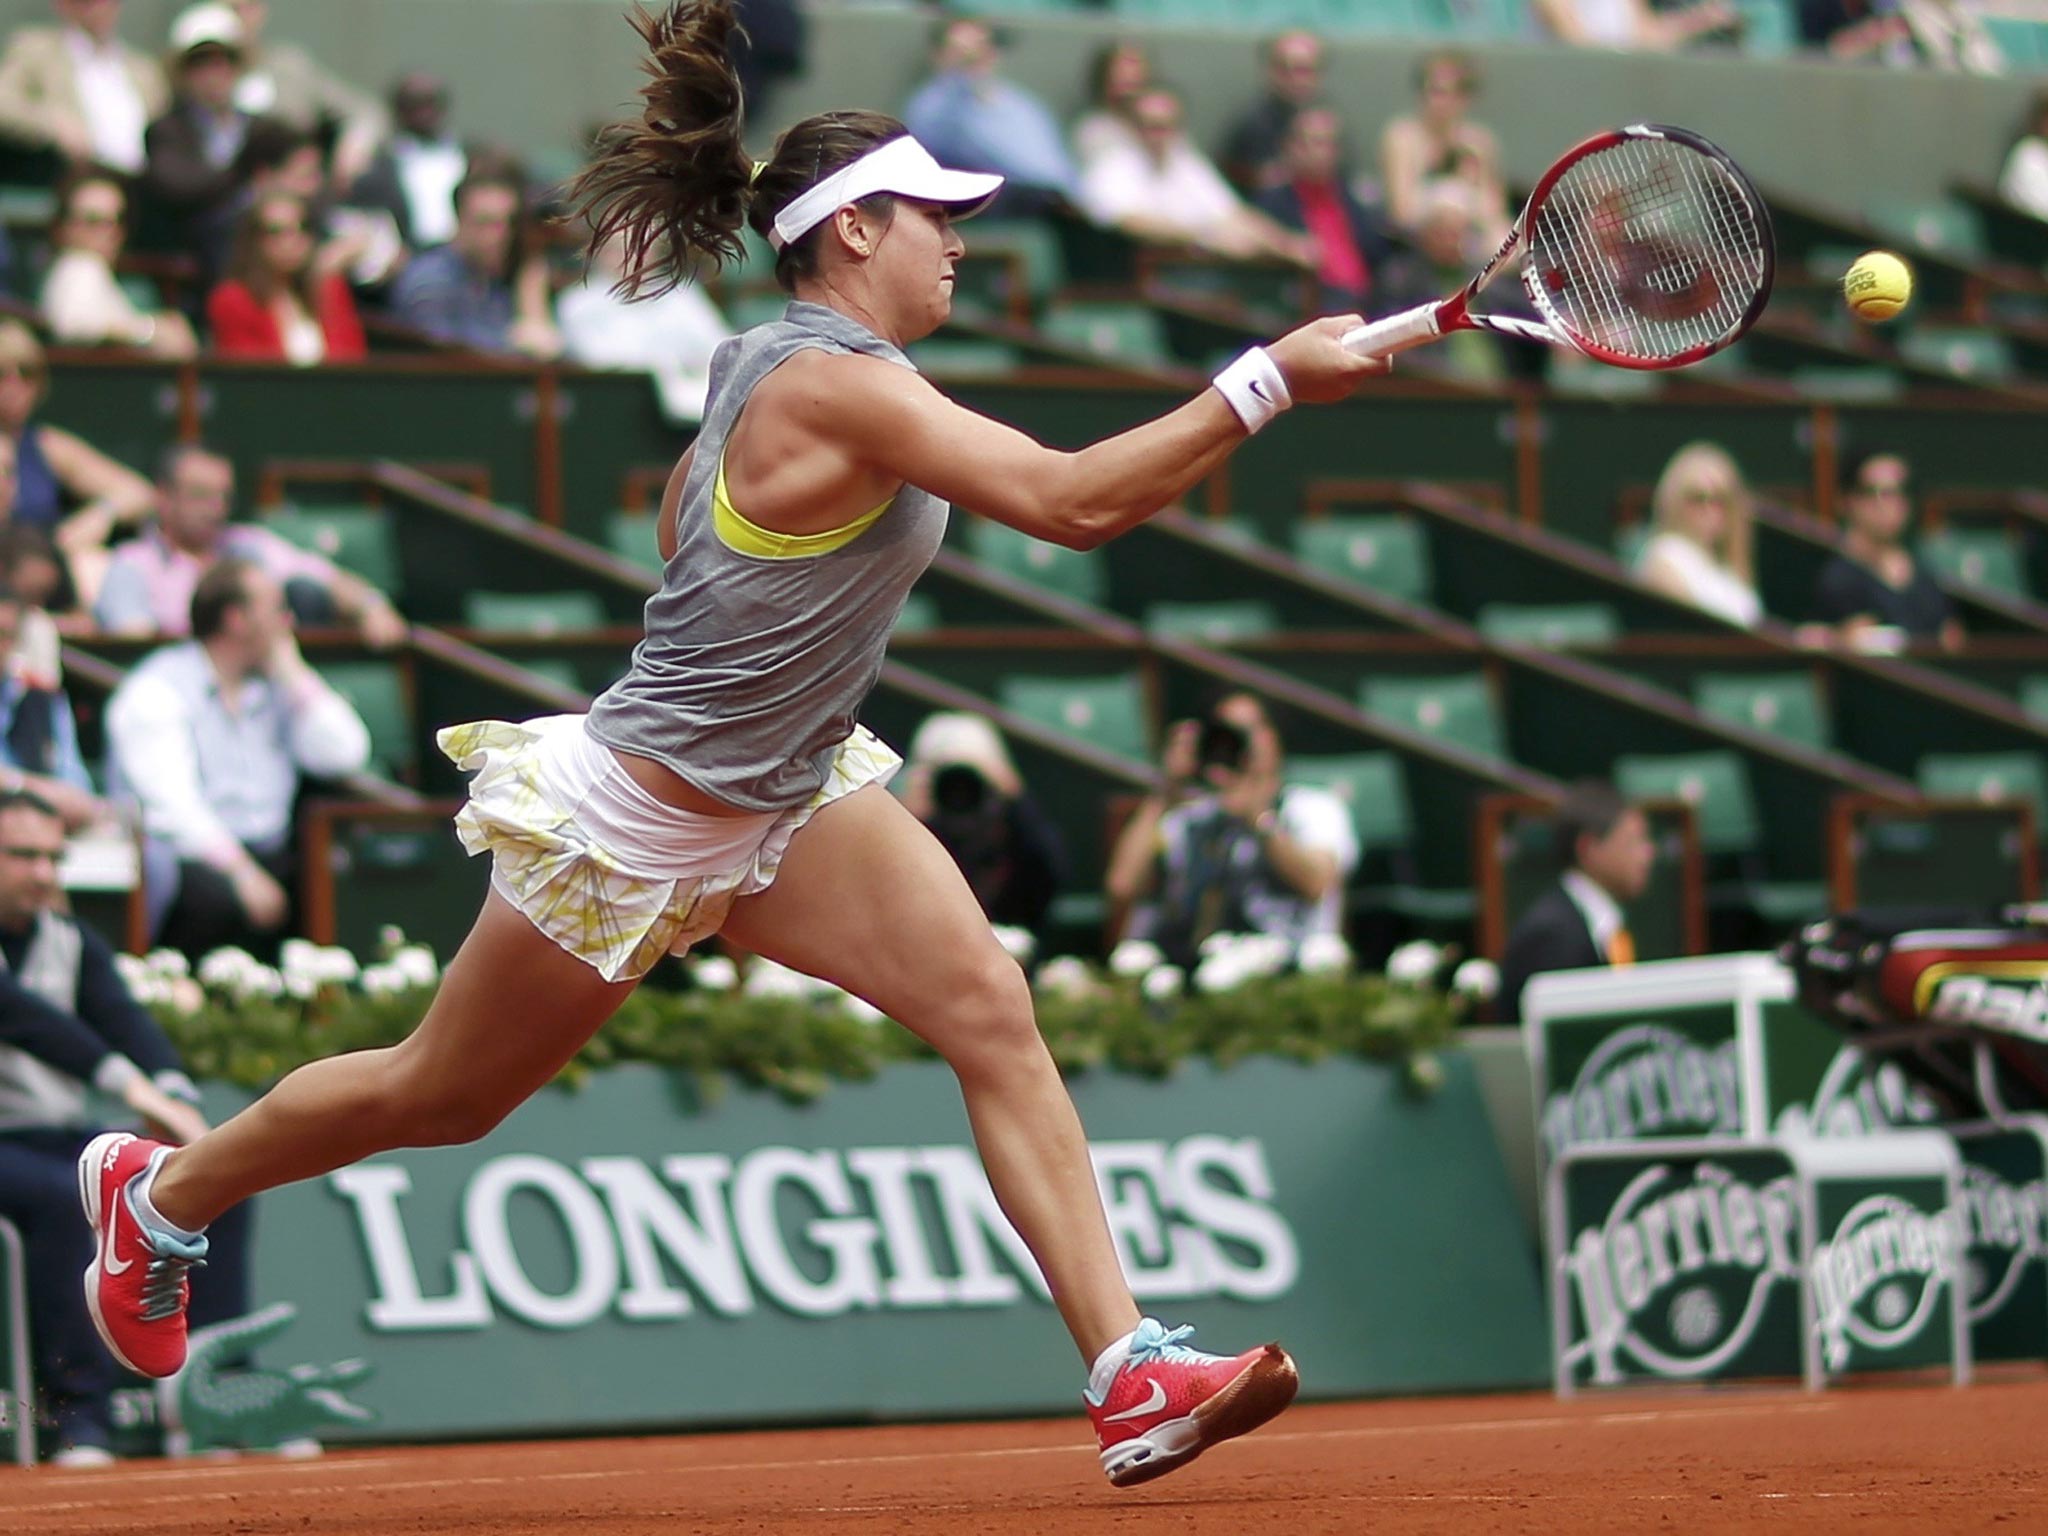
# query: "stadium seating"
[[1786, 704], [1987, 777], [1080, 575], [1212, 623], [1553, 626], [1457, 708], [358, 539], [1108, 712], [1385, 552]]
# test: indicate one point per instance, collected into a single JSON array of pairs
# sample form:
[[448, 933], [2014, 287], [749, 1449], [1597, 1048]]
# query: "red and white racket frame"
[[1426, 322]]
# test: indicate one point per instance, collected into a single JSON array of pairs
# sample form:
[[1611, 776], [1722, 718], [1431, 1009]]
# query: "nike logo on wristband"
[[1259, 392]]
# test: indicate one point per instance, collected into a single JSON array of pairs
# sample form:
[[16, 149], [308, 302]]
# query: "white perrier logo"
[[1878, 1280], [1677, 1277], [2005, 1228], [1642, 1081]]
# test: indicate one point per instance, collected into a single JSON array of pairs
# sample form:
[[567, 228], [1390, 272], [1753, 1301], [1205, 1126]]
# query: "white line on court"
[[234, 1470]]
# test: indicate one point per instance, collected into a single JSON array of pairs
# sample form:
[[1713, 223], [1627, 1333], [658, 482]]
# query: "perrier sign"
[[1678, 1267], [1667, 1074]]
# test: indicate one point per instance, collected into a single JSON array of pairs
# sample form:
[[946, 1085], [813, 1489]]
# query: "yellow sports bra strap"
[[743, 537]]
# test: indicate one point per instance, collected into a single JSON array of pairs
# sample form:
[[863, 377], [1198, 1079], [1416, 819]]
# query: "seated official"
[[69, 1021], [211, 738], [1605, 854]]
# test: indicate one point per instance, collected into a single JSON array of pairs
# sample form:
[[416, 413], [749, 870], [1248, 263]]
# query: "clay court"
[[1885, 1459]]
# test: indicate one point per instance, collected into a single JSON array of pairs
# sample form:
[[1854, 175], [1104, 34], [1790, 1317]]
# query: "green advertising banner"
[[1816, 1083], [628, 1254], [1885, 1250], [17, 1399], [2005, 1237], [1675, 1266]]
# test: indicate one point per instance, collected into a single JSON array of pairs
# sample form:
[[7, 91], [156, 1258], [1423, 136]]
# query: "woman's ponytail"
[[674, 183]]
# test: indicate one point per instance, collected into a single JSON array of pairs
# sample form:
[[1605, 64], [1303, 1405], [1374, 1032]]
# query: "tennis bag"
[[1928, 986]]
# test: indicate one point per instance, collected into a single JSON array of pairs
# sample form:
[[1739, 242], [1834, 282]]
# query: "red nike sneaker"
[[1168, 1403], [138, 1282]]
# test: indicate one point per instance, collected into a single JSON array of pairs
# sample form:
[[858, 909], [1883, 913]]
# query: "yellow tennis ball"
[[1877, 286]]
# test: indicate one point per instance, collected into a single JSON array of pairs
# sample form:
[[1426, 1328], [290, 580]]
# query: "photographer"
[[1225, 846], [961, 784]]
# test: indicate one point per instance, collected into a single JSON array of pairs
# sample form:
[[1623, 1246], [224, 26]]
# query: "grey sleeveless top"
[[754, 666]]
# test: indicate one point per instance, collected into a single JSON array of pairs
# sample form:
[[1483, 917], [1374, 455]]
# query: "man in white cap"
[[195, 175], [77, 90]]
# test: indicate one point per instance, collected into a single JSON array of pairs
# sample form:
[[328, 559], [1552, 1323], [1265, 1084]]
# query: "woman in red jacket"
[[281, 302]]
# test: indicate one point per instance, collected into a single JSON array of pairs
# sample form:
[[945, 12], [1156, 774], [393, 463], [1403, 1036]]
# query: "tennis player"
[[723, 784]]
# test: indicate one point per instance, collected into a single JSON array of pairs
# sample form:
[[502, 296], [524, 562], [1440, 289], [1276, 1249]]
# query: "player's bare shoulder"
[[840, 391]]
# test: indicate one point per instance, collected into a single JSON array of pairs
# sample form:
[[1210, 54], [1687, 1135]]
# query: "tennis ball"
[[1877, 286]]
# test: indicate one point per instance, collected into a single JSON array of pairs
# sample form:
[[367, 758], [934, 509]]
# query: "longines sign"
[[816, 1233]]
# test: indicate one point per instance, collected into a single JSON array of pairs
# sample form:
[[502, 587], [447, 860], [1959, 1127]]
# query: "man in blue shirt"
[[970, 118], [466, 291]]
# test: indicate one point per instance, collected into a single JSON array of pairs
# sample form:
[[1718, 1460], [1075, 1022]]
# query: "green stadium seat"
[[964, 357], [1372, 787], [142, 291], [1988, 777], [2034, 696], [533, 613], [920, 612], [1115, 332], [1769, 29], [1629, 542], [1552, 626], [1456, 707], [376, 690], [358, 539], [559, 670], [1391, 18], [743, 311], [1977, 557], [754, 269], [1082, 575], [1033, 245], [1385, 551], [1933, 225], [1105, 711], [1216, 623], [1781, 704], [1501, 20], [634, 536], [1715, 784], [2024, 43], [1960, 350]]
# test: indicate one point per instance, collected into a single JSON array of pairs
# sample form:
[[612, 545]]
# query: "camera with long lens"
[[1222, 745], [959, 790]]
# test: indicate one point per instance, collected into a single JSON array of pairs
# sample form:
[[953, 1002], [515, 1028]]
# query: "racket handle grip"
[[1396, 333]]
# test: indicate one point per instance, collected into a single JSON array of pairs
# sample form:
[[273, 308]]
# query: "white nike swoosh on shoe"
[[112, 1266], [1152, 1404]]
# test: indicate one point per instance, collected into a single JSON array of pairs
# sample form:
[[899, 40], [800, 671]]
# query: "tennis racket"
[[1643, 247]]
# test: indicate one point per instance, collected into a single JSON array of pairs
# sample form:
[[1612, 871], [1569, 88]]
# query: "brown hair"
[[252, 269], [676, 183]]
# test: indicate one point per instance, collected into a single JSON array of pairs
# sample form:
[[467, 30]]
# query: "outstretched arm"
[[897, 422]]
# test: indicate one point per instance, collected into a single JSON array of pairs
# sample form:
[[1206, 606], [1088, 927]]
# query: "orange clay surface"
[[1921, 1459]]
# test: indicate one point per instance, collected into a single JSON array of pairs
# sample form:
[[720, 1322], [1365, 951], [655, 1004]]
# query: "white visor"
[[902, 166]]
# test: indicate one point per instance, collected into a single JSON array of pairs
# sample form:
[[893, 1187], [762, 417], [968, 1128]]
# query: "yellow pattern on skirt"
[[590, 899]]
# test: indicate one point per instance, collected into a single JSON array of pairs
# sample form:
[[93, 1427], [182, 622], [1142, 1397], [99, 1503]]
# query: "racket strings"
[[1648, 248]]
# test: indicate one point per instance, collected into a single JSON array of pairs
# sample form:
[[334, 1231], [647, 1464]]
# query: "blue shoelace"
[[1153, 1341]]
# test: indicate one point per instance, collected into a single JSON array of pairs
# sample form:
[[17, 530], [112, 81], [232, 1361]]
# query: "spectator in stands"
[[33, 570], [1313, 196], [1164, 189], [1873, 594], [1117, 77], [2023, 179], [415, 174], [364, 243], [960, 782], [62, 484], [1634, 25], [70, 1022], [1699, 549], [150, 584], [211, 739], [1253, 149], [1438, 140], [479, 290], [38, 733], [283, 81], [1605, 855], [1226, 845], [197, 174], [670, 337], [77, 91], [968, 116], [1452, 231], [1946, 35], [82, 299], [284, 300]]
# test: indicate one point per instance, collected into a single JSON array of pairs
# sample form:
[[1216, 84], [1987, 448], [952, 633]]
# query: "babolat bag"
[[1957, 995]]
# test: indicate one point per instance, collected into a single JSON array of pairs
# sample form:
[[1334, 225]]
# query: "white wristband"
[[1255, 388]]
